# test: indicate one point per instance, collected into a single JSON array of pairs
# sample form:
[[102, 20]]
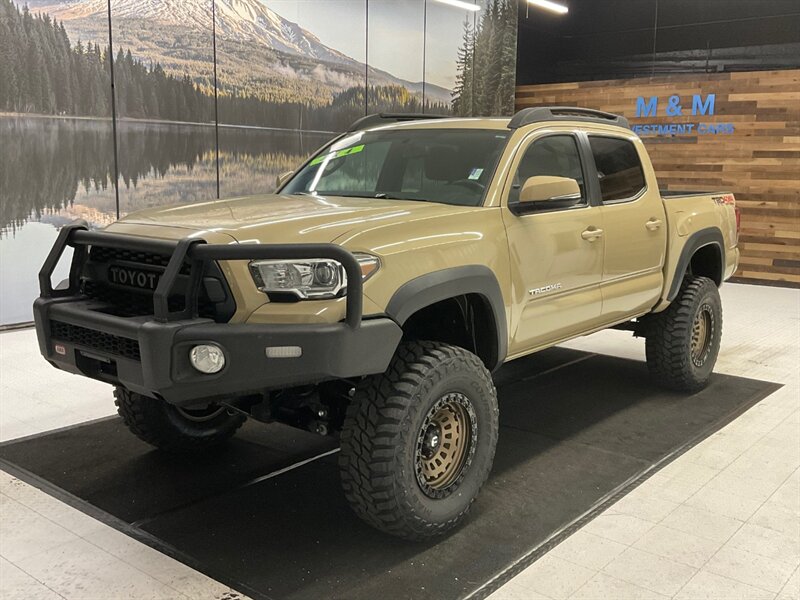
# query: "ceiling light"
[[548, 5], [461, 4]]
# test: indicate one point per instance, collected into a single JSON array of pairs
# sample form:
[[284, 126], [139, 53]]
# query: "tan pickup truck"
[[372, 296]]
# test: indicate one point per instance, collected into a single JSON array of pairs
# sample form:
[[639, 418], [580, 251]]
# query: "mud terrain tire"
[[172, 429], [683, 341], [419, 440]]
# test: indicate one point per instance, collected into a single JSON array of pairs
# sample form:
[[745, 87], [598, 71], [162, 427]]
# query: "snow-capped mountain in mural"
[[242, 20], [176, 33]]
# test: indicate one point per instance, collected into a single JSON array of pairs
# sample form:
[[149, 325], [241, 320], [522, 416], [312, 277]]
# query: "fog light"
[[207, 358]]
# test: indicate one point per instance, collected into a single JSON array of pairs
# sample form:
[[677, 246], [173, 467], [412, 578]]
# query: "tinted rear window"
[[618, 167]]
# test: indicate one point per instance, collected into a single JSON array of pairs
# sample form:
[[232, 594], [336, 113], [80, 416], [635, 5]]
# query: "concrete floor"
[[722, 521]]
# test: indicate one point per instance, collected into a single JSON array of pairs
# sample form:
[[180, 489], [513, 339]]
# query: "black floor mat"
[[577, 430]]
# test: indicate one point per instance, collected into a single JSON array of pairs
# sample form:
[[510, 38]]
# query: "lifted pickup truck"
[[372, 296]]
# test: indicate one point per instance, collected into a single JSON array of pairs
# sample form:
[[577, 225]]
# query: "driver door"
[[556, 247]]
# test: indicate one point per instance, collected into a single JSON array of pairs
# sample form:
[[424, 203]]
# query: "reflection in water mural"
[[51, 164], [76, 157], [159, 164], [289, 75]]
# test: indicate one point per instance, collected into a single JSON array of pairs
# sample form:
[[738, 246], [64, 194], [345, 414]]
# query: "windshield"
[[451, 166]]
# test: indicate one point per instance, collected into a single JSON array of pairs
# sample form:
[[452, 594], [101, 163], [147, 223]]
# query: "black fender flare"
[[431, 288], [699, 239]]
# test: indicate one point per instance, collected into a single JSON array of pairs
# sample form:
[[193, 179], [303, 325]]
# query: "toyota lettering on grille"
[[137, 278]]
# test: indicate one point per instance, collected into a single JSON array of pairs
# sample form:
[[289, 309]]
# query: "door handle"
[[591, 235], [653, 224]]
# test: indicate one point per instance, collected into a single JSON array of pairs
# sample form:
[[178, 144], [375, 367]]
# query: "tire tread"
[[148, 420], [668, 334], [372, 428]]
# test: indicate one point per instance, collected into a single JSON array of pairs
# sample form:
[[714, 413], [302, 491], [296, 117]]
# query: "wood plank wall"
[[759, 162]]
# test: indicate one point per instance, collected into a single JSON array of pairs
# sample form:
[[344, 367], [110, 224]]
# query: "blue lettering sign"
[[674, 108], [701, 105], [646, 109], [715, 128], [703, 108]]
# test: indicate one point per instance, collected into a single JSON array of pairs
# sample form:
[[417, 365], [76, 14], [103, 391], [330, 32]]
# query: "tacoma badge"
[[544, 289]]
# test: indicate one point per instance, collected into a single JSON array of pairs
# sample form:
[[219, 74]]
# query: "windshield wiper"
[[343, 195], [323, 194], [385, 196], [379, 195]]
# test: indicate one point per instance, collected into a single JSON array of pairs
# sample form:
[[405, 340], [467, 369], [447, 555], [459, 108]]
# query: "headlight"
[[309, 278]]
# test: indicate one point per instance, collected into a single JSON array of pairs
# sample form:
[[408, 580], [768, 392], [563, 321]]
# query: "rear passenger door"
[[634, 223]]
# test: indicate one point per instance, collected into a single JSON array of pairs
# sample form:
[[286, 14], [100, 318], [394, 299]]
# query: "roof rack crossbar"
[[540, 114], [386, 118]]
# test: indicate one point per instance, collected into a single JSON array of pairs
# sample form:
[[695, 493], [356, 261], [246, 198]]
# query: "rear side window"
[[618, 168]]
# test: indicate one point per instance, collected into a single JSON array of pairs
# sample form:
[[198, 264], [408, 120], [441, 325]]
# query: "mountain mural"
[[282, 93], [259, 53]]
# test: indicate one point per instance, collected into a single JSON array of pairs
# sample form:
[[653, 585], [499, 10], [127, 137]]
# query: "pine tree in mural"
[[462, 93], [487, 63], [42, 73]]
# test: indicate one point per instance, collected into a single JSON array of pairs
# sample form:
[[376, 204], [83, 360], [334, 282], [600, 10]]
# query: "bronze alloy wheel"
[[445, 444], [201, 415], [418, 441], [702, 334]]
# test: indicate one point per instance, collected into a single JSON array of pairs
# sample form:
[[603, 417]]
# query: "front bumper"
[[150, 354], [162, 369]]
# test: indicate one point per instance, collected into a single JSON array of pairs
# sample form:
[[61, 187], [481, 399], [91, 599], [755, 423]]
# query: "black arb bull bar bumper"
[[150, 354]]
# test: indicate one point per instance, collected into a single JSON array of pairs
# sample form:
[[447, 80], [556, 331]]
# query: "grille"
[[96, 340], [138, 303], [132, 304], [102, 254]]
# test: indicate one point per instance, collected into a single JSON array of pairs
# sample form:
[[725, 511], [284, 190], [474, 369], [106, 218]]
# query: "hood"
[[278, 218]]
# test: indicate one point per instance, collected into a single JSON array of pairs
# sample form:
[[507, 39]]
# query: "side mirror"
[[283, 178], [546, 187]]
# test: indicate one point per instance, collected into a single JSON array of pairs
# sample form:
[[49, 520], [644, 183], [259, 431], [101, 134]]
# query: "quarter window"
[[554, 155], [618, 168]]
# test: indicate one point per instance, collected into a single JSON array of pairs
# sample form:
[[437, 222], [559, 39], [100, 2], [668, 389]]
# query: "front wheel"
[[419, 440], [683, 341], [174, 429]]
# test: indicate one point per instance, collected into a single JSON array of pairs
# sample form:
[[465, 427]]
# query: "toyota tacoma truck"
[[372, 296]]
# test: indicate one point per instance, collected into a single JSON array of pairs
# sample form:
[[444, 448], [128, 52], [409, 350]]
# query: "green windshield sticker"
[[339, 154]]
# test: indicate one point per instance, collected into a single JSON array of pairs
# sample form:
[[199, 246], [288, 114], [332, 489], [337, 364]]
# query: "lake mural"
[[213, 99]]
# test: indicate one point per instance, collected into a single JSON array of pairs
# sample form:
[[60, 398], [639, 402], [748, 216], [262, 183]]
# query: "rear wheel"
[[175, 429], [419, 440], [683, 341]]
